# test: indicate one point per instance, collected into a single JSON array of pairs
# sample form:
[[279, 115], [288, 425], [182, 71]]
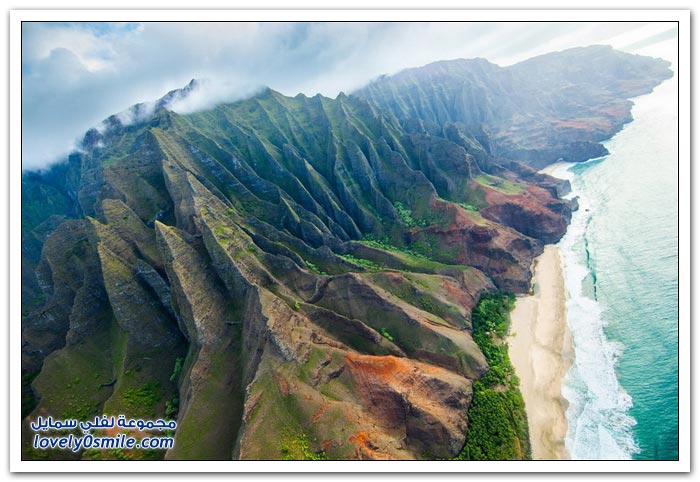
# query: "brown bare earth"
[[293, 278]]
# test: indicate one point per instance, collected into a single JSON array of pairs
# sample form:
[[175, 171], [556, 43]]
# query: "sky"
[[74, 75]]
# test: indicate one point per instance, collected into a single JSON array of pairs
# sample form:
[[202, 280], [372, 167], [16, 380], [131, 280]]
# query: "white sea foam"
[[600, 427], [623, 230]]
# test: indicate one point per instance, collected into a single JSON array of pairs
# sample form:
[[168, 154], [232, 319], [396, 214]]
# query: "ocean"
[[620, 260]]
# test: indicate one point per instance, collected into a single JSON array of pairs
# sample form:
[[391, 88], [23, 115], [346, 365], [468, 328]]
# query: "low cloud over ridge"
[[75, 75]]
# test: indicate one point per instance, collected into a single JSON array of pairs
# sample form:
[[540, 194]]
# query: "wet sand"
[[540, 350]]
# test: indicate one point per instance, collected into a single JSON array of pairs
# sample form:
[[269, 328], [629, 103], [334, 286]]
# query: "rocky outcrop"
[[533, 213], [294, 277]]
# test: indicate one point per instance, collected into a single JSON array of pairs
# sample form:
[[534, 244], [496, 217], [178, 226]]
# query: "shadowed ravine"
[[311, 264]]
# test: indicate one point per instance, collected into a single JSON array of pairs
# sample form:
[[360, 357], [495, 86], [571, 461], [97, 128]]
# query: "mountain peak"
[[313, 260], [178, 94]]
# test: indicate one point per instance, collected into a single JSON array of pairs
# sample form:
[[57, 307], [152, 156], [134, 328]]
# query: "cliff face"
[[558, 105], [294, 277]]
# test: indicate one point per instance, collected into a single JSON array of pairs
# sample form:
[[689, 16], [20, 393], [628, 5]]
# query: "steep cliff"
[[556, 106], [294, 277]]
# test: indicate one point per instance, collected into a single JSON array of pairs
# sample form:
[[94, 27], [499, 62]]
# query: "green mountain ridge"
[[555, 106], [311, 264]]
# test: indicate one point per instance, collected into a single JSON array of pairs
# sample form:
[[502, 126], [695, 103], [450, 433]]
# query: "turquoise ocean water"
[[620, 258]]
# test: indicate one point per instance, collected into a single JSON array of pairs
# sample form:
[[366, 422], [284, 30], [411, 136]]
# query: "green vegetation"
[[293, 438], [385, 245], [386, 334], [222, 232], [419, 290], [501, 185], [296, 447], [497, 421], [492, 434], [172, 408], [427, 304], [492, 314], [45, 195], [304, 178], [143, 399], [361, 262], [405, 258], [28, 397], [209, 426], [177, 369], [314, 268], [405, 215], [469, 207], [70, 380]]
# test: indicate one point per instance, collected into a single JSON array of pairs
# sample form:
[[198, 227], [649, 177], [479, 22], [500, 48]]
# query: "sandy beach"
[[553, 167], [540, 350]]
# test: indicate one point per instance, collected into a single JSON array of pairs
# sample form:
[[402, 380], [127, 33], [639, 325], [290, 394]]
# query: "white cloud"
[[136, 113], [75, 75], [207, 94]]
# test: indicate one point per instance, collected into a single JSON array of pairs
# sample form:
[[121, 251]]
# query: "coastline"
[[551, 168], [541, 352]]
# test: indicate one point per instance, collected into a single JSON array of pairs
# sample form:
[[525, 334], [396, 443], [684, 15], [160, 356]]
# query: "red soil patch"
[[321, 411], [456, 292], [365, 448], [368, 370], [383, 367], [395, 277], [533, 199], [284, 386], [254, 403], [361, 439]]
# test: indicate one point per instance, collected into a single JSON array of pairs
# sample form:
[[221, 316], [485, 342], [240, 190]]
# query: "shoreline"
[[541, 352], [551, 168]]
